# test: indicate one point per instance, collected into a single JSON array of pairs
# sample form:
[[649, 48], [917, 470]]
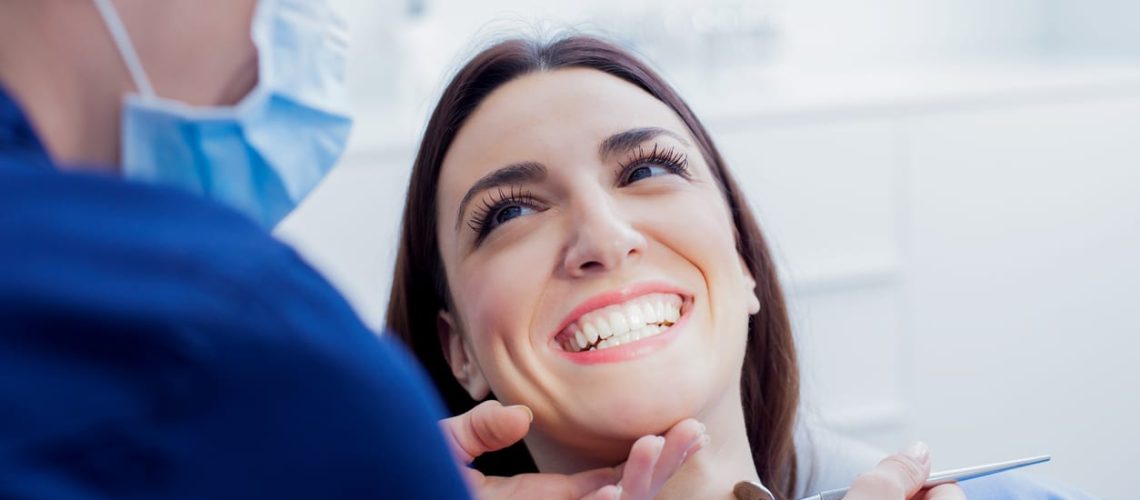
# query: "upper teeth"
[[623, 323]]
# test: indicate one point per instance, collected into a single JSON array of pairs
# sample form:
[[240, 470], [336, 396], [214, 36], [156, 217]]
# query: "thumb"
[[898, 476], [490, 426]]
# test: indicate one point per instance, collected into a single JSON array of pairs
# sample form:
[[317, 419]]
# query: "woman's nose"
[[601, 240]]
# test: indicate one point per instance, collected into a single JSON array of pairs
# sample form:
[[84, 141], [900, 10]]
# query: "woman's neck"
[[709, 473], [726, 460]]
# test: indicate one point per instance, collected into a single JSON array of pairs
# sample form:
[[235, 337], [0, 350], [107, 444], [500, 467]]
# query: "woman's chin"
[[606, 440], [632, 419]]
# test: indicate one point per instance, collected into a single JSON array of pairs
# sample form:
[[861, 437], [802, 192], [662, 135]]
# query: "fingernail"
[[700, 443], [529, 414], [918, 451], [617, 494]]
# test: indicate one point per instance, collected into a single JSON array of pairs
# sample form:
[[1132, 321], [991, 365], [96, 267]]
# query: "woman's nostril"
[[592, 265]]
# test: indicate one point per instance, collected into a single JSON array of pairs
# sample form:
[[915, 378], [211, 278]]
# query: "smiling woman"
[[573, 241]]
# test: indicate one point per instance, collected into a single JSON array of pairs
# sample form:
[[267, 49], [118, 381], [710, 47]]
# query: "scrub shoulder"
[[159, 344]]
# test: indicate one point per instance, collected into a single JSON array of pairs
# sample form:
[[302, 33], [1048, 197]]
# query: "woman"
[[573, 242]]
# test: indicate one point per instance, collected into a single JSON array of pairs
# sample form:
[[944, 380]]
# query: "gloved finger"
[[945, 492], [681, 440], [548, 485], [608, 492], [587, 483], [475, 479], [637, 476], [897, 477], [490, 426]]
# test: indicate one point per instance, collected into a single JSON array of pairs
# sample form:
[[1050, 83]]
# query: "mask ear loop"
[[126, 50]]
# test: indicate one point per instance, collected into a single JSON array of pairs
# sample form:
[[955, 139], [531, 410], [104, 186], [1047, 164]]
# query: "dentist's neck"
[[57, 62]]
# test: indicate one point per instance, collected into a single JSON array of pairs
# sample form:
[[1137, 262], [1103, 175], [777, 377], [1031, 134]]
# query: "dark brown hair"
[[769, 383]]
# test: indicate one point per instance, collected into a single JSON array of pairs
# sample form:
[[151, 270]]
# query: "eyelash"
[[676, 162], [481, 222]]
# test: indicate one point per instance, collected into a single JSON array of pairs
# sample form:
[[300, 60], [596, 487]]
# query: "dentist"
[[155, 340]]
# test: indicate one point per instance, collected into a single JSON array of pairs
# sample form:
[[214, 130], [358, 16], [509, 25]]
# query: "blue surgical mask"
[[265, 154]]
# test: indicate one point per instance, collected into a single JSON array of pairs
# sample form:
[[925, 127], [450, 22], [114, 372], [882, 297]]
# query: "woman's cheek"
[[700, 231], [695, 219], [499, 292]]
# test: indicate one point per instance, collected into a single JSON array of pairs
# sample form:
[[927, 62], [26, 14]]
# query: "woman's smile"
[[619, 325]]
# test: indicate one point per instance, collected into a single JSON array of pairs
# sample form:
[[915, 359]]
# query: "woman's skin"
[[601, 197], [592, 227], [490, 427]]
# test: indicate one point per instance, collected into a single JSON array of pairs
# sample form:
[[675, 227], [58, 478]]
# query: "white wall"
[[1023, 258], [963, 266], [1091, 29]]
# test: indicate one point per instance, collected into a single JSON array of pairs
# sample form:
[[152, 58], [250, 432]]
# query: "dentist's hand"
[[900, 476], [492, 426]]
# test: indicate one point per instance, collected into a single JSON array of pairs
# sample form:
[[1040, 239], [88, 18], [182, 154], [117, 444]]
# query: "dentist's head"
[[238, 100]]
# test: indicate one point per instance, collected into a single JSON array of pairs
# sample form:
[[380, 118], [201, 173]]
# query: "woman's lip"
[[618, 296], [633, 349]]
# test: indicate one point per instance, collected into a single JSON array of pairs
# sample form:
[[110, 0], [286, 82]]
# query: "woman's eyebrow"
[[625, 141], [517, 173]]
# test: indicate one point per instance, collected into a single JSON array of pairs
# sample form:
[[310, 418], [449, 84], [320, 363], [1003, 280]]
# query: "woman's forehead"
[[550, 112]]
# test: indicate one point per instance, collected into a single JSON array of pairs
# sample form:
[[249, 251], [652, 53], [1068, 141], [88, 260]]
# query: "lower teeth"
[[613, 341]]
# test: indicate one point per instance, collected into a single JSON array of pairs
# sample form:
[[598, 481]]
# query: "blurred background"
[[952, 188]]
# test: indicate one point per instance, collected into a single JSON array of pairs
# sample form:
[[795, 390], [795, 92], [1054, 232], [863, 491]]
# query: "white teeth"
[[601, 327], [619, 324], [591, 333], [633, 315], [647, 313], [580, 338]]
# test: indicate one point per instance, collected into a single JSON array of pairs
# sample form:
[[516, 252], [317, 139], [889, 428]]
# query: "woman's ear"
[[750, 293], [458, 353]]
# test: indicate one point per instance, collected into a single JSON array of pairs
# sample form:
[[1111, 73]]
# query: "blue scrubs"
[[156, 345]]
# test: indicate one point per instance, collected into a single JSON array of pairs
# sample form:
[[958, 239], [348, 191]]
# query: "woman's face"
[[591, 261]]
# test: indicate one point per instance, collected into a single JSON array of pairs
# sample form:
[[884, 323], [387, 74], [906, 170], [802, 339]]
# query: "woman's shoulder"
[[827, 459]]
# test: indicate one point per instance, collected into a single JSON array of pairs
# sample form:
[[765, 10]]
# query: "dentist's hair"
[[769, 381]]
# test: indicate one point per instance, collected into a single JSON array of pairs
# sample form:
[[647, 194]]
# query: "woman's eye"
[[509, 212], [653, 163], [645, 171], [500, 209]]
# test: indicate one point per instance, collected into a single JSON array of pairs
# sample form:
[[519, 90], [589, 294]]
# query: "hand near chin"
[[900, 476], [492, 426]]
